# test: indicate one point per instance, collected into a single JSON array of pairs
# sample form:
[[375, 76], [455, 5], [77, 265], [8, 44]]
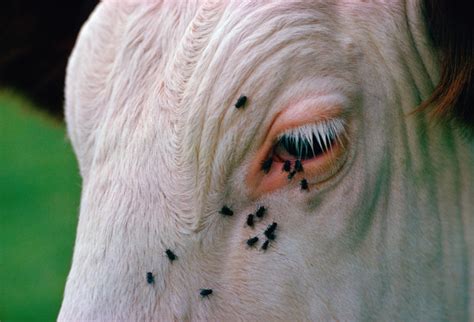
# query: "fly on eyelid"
[[298, 166], [266, 165], [291, 174]]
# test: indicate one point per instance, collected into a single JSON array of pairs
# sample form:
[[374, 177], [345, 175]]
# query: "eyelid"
[[326, 129], [317, 127], [309, 110]]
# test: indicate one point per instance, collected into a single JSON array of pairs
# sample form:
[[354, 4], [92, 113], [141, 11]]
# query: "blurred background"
[[39, 180]]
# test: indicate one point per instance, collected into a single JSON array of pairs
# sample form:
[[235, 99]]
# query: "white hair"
[[150, 95]]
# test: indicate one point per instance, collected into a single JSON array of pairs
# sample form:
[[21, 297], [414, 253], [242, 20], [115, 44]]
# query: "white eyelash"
[[324, 132]]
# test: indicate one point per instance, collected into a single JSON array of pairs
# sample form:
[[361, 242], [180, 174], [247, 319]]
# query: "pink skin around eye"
[[304, 112]]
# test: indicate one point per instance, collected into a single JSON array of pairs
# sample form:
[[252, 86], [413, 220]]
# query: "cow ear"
[[451, 26]]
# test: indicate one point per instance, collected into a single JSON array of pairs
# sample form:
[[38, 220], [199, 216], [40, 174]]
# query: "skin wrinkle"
[[83, 116], [193, 44], [408, 194], [411, 30], [423, 146], [424, 149], [181, 146], [466, 273], [211, 153], [448, 139], [168, 150], [270, 104]]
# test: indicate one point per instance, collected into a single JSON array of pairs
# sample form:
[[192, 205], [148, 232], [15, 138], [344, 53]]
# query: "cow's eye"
[[319, 147], [309, 141]]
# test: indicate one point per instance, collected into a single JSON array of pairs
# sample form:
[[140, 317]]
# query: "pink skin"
[[302, 112]]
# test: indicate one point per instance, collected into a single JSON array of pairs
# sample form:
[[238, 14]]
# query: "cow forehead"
[[170, 149], [179, 69], [189, 63], [186, 76]]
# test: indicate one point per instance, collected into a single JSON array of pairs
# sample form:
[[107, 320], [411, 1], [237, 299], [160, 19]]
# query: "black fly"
[[252, 241], [287, 166], [241, 101], [266, 165], [298, 166], [205, 292], [149, 278], [269, 232], [226, 211], [172, 256], [265, 244], [291, 175], [304, 184], [260, 212], [250, 220]]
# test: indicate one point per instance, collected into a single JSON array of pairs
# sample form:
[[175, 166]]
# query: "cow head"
[[162, 148]]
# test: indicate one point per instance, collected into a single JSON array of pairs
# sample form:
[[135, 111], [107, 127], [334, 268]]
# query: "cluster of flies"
[[251, 218], [287, 167], [269, 232]]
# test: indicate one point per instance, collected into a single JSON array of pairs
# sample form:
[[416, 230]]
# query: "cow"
[[272, 160]]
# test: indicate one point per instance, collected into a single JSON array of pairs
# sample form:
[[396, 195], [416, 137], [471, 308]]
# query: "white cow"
[[379, 225]]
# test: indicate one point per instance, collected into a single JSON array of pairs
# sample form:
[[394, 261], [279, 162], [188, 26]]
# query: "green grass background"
[[39, 202]]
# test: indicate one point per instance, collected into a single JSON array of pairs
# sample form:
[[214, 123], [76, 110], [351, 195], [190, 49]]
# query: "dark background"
[[36, 38]]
